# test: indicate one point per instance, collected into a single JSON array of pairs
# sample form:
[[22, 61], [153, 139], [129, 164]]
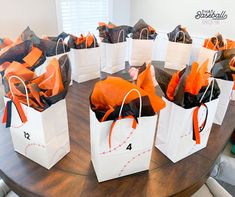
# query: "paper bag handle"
[[119, 35], [141, 32], [123, 102], [57, 45], [214, 59], [177, 35], [26, 90], [120, 113], [211, 82], [215, 43]]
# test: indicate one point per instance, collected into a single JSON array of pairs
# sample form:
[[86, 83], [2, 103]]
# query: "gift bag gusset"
[[179, 49], [192, 99], [122, 125]]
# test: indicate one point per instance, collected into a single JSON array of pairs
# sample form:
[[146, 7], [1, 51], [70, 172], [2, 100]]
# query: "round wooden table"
[[74, 175]]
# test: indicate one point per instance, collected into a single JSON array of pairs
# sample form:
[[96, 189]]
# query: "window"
[[81, 16]]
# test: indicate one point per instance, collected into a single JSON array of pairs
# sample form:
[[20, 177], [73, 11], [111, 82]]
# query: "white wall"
[[16, 15], [165, 15]]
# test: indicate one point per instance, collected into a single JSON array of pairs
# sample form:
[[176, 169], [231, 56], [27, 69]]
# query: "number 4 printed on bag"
[[129, 147]]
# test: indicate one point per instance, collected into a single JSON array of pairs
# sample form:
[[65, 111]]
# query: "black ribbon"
[[9, 111], [201, 127]]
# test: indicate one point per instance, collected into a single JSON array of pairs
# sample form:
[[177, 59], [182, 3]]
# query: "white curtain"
[[81, 16]]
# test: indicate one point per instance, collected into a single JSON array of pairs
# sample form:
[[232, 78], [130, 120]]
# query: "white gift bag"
[[130, 150], [178, 54], [87, 63], [113, 55], [175, 129], [226, 88], [141, 50], [205, 53], [44, 138]]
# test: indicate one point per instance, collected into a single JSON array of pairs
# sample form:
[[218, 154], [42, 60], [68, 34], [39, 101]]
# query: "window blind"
[[81, 16]]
